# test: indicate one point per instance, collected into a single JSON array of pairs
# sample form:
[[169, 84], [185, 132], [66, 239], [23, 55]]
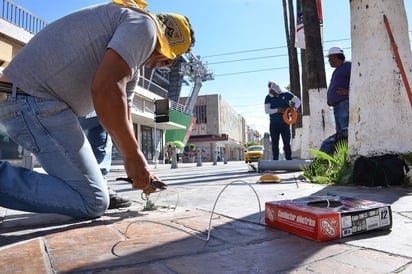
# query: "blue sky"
[[241, 41]]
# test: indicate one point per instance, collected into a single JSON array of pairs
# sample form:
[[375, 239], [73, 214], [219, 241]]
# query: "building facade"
[[219, 132]]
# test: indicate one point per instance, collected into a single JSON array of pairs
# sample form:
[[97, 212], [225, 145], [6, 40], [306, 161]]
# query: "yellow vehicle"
[[254, 154]]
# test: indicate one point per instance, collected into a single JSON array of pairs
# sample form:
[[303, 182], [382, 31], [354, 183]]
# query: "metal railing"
[[20, 17], [176, 106], [155, 88]]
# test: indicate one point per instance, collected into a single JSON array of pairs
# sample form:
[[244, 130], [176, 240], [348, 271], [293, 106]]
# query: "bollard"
[[214, 158], [27, 160], [174, 158], [199, 157], [267, 148]]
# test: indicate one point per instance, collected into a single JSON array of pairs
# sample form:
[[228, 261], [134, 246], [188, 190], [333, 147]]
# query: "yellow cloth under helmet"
[[131, 3], [173, 30]]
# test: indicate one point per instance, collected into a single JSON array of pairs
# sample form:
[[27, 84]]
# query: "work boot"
[[117, 201]]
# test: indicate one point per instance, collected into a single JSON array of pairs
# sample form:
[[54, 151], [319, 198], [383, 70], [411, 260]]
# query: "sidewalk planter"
[[329, 217]]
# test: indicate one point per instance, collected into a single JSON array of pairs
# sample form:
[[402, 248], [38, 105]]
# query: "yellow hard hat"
[[173, 30], [175, 38], [131, 3]]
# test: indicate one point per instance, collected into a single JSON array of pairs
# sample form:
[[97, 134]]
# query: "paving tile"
[[27, 257], [23, 220], [230, 230], [78, 248], [388, 240], [105, 247], [283, 254], [360, 261], [20, 226]]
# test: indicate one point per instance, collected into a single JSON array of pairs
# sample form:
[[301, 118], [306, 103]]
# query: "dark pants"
[[329, 145], [276, 130], [100, 141], [341, 113]]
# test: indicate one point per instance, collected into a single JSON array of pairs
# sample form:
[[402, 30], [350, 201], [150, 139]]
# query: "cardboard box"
[[328, 217]]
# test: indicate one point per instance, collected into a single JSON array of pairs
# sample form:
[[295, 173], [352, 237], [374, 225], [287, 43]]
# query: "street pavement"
[[209, 220]]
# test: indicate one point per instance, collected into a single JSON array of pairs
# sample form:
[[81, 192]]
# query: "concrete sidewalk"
[[175, 237]]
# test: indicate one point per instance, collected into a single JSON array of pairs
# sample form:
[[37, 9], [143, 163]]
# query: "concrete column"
[[174, 158], [226, 154], [199, 157], [213, 153], [267, 148]]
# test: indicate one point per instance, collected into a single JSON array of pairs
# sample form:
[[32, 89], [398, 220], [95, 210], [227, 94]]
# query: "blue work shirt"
[[340, 79], [280, 101]]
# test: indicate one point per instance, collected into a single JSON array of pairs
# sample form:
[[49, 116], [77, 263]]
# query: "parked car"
[[254, 154]]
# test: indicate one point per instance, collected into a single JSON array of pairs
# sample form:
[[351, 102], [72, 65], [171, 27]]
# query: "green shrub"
[[329, 169]]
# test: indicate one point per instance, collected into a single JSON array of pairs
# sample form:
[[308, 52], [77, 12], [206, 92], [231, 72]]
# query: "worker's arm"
[[296, 102], [110, 102], [269, 110]]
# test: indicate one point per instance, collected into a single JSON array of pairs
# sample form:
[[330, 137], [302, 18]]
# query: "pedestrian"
[[102, 146], [338, 90], [276, 102], [169, 153], [85, 61]]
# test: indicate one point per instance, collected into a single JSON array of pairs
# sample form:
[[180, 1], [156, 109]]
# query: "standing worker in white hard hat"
[[338, 90], [86, 61], [276, 103]]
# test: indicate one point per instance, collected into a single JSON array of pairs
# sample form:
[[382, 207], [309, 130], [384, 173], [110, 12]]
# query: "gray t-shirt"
[[61, 60]]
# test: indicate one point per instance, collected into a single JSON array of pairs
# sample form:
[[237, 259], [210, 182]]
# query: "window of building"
[[200, 114], [147, 142]]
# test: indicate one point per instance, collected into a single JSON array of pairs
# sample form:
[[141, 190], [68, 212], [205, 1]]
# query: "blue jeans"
[[48, 128], [100, 141], [341, 113], [328, 145], [283, 130]]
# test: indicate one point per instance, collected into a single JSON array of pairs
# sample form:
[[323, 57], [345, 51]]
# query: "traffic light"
[[162, 111]]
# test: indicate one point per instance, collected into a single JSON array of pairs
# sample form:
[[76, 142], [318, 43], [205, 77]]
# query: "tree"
[[314, 58], [380, 112], [294, 76], [316, 123]]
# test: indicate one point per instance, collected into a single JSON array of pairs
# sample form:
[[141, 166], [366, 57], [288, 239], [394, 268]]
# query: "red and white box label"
[[328, 217]]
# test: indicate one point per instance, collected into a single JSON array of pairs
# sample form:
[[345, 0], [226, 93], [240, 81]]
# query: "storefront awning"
[[147, 119]]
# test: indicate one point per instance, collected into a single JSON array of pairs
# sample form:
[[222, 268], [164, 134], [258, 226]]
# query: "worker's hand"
[[342, 91], [155, 184], [139, 173], [149, 189], [281, 110]]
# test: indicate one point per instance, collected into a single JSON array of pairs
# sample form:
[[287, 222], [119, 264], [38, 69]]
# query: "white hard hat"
[[334, 50], [273, 86]]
